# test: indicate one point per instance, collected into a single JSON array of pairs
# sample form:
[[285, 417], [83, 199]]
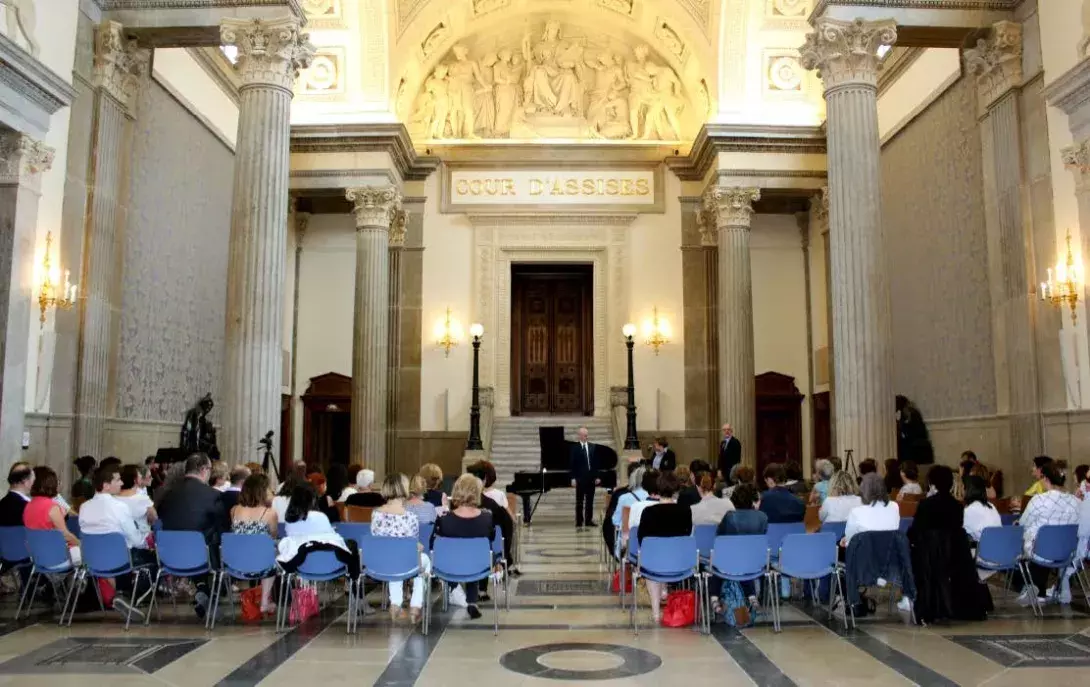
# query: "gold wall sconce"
[[51, 292], [448, 333], [656, 331], [1064, 282]]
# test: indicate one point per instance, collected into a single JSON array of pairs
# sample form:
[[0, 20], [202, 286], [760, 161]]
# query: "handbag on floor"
[[680, 609], [615, 586], [251, 604], [304, 604]]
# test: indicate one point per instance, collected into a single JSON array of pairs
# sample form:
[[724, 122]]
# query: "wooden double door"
[[552, 339]]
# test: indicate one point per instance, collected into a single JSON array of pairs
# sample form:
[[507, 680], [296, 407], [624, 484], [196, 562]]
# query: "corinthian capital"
[[846, 52], [996, 62], [120, 64], [23, 159], [1077, 159], [731, 206], [270, 53], [375, 206]]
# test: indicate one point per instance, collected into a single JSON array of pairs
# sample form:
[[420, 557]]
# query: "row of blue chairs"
[[245, 558]]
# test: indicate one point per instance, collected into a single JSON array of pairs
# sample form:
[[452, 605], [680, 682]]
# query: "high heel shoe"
[[414, 615], [395, 613]]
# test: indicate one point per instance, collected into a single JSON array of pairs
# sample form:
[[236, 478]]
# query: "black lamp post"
[[474, 443], [631, 441]]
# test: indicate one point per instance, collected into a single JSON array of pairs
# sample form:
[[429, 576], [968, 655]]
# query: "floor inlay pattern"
[[580, 661], [1030, 651], [101, 655], [547, 587]]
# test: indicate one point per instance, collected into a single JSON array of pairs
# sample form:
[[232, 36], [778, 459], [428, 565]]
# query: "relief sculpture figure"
[[462, 80], [552, 84], [607, 113]]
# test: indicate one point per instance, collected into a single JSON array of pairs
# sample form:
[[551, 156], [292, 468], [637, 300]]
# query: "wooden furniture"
[[908, 506], [811, 519], [822, 409], [779, 420], [327, 412], [357, 514]]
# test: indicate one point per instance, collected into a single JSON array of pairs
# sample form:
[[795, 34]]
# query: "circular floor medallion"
[[562, 553], [580, 661]]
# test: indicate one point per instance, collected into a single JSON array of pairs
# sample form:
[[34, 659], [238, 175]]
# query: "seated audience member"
[[136, 498], [336, 484], [283, 495], [843, 498], [710, 509], [635, 493], [424, 511], [866, 467], [981, 470], [1038, 486], [326, 503], [740, 474], [486, 472], [824, 471], [1082, 483], [946, 581], [466, 520], [778, 503], [43, 513], [20, 482], [253, 514], [196, 506], [220, 477], [307, 529], [235, 479], [650, 485], [979, 513], [1084, 530], [892, 477], [500, 517], [667, 518], [366, 496], [433, 478], [82, 488], [106, 514], [746, 518], [794, 482], [393, 520], [877, 514], [353, 475], [609, 528], [687, 494], [662, 456], [910, 481], [255, 468], [1053, 506]]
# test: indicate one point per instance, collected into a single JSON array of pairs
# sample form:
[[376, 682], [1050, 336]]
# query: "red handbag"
[[251, 605], [680, 609], [615, 587], [304, 604]]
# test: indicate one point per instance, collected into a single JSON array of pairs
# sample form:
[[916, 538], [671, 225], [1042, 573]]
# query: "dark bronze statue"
[[198, 432], [913, 439]]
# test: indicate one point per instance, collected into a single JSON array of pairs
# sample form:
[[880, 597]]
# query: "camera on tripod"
[[265, 446]]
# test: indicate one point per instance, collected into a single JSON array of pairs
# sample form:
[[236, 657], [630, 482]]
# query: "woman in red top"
[[42, 513]]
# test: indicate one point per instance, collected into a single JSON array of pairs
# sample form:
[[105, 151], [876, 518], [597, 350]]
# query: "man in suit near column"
[[584, 477], [730, 452]]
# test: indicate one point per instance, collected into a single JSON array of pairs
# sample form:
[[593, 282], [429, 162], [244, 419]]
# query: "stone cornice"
[[996, 62], [375, 207], [845, 53], [216, 65], [120, 65], [554, 218], [39, 85], [270, 53], [994, 5], [114, 5], [392, 139], [1071, 90], [730, 138], [731, 205]]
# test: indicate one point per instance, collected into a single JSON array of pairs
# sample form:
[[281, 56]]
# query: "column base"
[[471, 457]]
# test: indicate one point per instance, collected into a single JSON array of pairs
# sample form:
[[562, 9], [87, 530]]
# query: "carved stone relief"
[[325, 76], [783, 73], [670, 40], [434, 39], [485, 6], [553, 83], [324, 14], [19, 22], [622, 6]]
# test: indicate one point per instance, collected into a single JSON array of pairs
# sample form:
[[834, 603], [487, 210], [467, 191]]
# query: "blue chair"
[[1054, 548], [246, 557], [107, 556], [356, 531], [1000, 550], [905, 524], [630, 558], [50, 558], [808, 557], [426, 530], [397, 559], [464, 561], [776, 532], [737, 558], [14, 554], [835, 528], [72, 523], [183, 555], [1008, 519], [319, 566], [666, 560], [705, 540]]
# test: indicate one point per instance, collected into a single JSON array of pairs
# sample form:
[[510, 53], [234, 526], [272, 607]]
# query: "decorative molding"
[[996, 62], [730, 138], [1070, 91], [819, 206], [783, 75], [995, 5], [30, 80], [700, 11], [707, 226], [1076, 158], [670, 39], [23, 160], [324, 14], [112, 5], [398, 227], [216, 65], [270, 53], [787, 15], [120, 65], [619, 6], [325, 76], [551, 219], [846, 52], [392, 139], [895, 64], [732, 207], [374, 206], [485, 6]]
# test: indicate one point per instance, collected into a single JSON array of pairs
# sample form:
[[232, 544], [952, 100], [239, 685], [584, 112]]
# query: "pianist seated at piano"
[[662, 456]]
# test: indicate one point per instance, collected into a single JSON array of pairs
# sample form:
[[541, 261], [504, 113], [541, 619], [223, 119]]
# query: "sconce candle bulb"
[[48, 296], [1064, 283]]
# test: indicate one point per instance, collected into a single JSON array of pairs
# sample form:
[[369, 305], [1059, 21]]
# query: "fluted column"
[[393, 383], [733, 208], [996, 62], [22, 162], [846, 55], [375, 209], [270, 54], [120, 68]]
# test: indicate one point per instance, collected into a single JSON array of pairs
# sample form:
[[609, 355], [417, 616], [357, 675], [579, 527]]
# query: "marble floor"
[[563, 627]]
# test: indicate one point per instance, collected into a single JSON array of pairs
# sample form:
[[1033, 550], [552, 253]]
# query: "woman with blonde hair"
[[465, 520], [393, 519], [424, 511], [843, 497], [432, 475]]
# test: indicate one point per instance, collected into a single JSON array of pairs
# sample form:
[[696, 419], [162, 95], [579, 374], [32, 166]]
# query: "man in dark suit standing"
[[583, 466], [662, 457], [194, 506], [730, 452]]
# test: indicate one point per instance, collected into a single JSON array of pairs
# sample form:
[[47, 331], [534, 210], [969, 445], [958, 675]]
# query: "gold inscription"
[[554, 186]]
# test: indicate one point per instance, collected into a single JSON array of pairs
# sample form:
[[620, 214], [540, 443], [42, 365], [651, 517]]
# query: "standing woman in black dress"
[[466, 520]]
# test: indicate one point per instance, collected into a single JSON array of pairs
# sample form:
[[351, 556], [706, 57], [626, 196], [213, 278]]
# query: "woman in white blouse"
[[979, 514], [877, 514], [843, 497]]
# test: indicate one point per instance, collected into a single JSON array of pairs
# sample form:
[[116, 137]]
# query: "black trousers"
[[584, 501]]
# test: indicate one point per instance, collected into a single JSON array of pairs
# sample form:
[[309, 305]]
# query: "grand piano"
[[554, 473]]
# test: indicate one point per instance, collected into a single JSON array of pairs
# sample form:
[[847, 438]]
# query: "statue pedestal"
[[548, 125]]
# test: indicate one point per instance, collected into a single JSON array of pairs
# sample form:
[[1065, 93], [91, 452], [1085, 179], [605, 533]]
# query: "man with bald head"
[[730, 452], [584, 477]]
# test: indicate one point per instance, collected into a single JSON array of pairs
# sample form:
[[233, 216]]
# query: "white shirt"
[[497, 496], [836, 508], [348, 491], [635, 511], [710, 510], [1049, 508], [106, 514], [910, 488], [873, 518], [280, 505], [978, 517], [138, 505]]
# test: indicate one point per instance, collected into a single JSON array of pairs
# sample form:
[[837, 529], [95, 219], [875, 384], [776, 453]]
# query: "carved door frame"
[[329, 392]]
